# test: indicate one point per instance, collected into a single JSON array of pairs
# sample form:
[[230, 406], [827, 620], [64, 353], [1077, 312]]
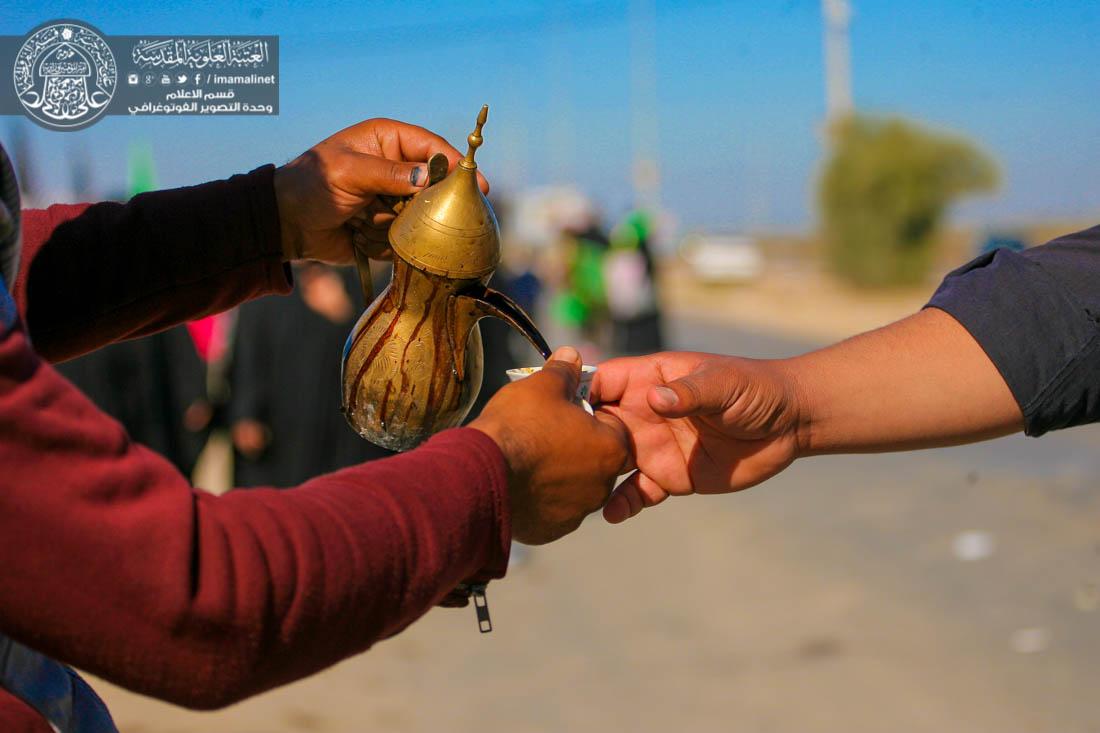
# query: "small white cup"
[[584, 388]]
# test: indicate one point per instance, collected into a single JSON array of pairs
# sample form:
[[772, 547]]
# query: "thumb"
[[371, 175], [698, 393], [565, 366]]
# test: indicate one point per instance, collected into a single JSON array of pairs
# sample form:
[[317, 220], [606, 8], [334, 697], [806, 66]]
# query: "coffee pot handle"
[[362, 264]]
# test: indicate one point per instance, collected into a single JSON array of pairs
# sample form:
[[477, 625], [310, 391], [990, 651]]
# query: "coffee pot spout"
[[465, 309]]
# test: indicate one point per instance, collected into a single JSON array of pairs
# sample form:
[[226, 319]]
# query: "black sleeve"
[[92, 275], [1036, 314]]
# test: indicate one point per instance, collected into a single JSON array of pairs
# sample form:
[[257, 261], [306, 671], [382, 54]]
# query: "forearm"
[[204, 601], [297, 580], [919, 383], [95, 274], [116, 565]]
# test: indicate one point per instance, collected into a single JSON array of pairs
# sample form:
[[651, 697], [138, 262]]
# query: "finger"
[[377, 214], [402, 141], [636, 493], [625, 502], [701, 392], [617, 508], [416, 143], [609, 383], [369, 175], [381, 220], [649, 490], [394, 140], [482, 182], [370, 242], [564, 365], [617, 430], [373, 222]]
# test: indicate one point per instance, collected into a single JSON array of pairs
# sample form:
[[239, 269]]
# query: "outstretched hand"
[[330, 197], [700, 423]]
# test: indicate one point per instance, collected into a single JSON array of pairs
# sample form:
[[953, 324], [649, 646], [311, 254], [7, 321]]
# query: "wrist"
[[504, 440], [286, 199], [804, 410]]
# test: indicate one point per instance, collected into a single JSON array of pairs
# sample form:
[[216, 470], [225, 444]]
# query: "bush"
[[883, 195]]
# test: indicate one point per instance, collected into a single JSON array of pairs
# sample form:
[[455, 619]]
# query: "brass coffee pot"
[[413, 363]]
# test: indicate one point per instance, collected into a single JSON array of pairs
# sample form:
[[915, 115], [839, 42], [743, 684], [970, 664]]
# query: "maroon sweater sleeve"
[[93, 274], [113, 563]]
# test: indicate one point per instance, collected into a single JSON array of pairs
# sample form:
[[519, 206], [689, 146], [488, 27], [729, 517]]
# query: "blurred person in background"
[[526, 286], [284, 403], [210, 337], [499, 340], [1009, 342], [156, 387], [580, 305], [631, 276], [116, 564]]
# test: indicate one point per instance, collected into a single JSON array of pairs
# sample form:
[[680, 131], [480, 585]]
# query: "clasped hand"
[[699, 423]]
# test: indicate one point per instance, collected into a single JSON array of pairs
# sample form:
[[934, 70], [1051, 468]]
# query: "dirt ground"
[[828, 601], [794, 300], [589, 638]]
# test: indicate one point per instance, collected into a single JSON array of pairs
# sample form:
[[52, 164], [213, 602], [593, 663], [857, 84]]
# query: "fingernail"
[[665, 396], [567, 353], [416, 175]]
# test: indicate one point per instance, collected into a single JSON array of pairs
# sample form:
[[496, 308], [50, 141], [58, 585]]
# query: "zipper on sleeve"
[[476, 591], [481, 606]]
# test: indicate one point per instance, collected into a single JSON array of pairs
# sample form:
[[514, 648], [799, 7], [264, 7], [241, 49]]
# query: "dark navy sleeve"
[[1036, 314]]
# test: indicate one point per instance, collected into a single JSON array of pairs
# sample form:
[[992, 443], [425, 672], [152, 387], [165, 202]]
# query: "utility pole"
[[644, 124], [837, 15]]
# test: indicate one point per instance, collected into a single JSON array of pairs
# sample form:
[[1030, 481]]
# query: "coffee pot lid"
[[449, 228]]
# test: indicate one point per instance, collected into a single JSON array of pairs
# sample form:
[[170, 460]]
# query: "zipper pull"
[[481, 605]]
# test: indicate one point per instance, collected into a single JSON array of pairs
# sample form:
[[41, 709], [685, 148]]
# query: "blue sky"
[[739, 92]]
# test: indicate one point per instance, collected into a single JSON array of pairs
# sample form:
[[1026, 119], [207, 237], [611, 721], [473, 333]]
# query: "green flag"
[[141, 174]]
